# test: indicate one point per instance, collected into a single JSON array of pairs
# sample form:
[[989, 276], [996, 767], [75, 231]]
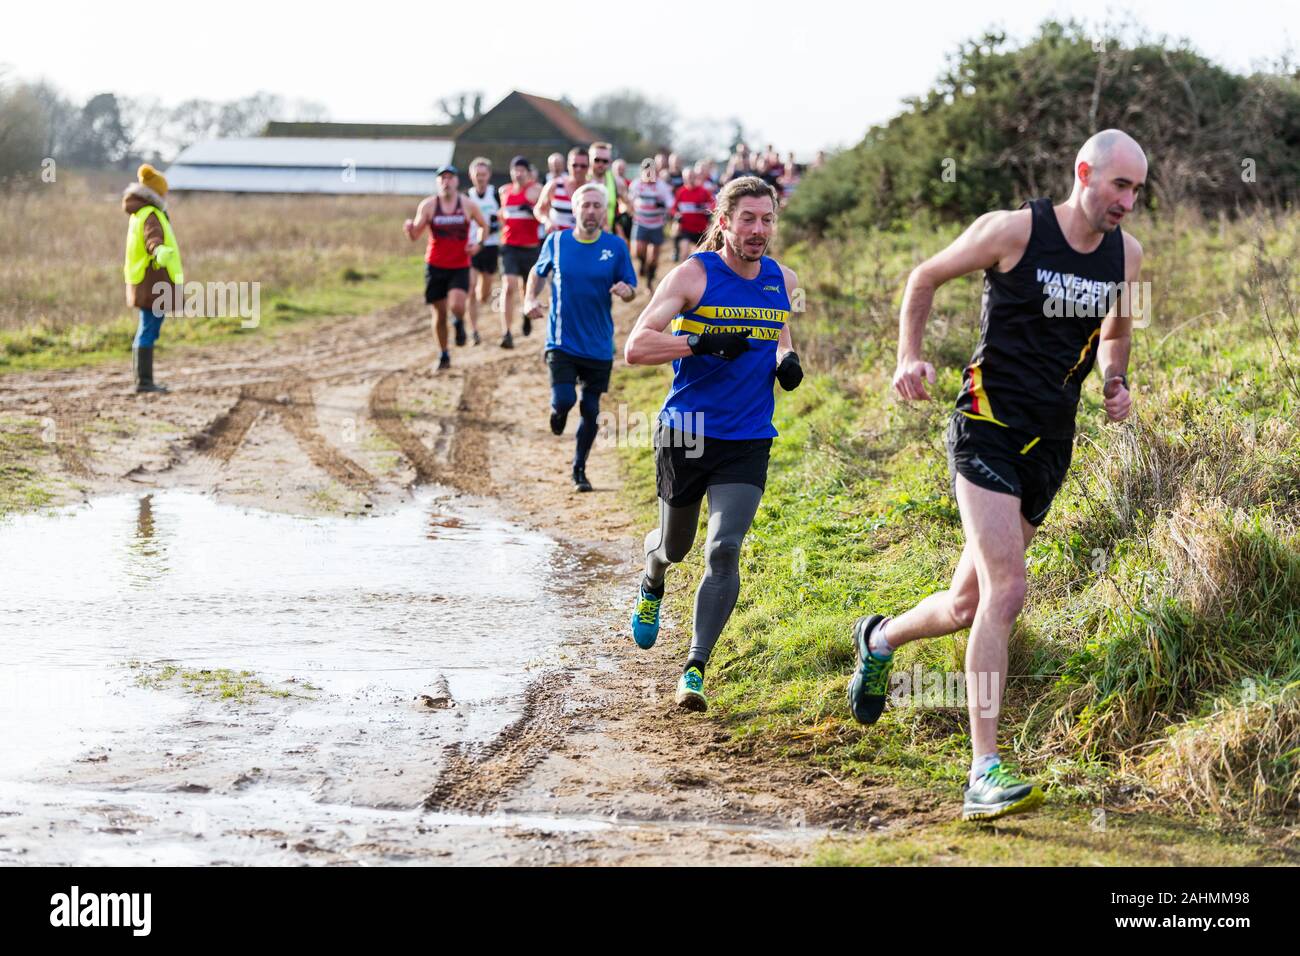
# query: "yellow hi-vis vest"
[[611, 192], [137, 256]]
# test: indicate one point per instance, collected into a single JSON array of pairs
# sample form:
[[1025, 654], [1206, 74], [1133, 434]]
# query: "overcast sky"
[[803, 74]]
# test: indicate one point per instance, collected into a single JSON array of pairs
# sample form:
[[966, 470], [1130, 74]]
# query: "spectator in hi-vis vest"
[[152, 269]]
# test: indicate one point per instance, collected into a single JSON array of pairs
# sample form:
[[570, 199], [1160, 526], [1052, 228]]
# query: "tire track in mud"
[[387, 418], [292, 401], [468, 455], [476, 778], [299, 416], [223, 437], [471, 460]]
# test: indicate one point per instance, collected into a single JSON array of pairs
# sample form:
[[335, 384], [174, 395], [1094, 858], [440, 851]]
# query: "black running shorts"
[[438, 282], [1010, 461], [683, 473], [517, 260], [485, 260], [569, 369]]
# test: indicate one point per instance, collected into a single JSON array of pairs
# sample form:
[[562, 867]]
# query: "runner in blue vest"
[[589, 266], [721, 318]]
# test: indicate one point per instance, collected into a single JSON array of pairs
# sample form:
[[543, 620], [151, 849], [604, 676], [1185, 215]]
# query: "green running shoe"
[[999, 793], [690, 691], [870, 683]]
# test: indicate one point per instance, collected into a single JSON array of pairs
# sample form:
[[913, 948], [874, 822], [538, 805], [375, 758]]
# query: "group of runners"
[[472, 235], [582, 228], [1055, 304]]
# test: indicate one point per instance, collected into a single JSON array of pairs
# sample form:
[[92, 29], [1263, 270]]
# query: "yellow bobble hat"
[[150, 177]]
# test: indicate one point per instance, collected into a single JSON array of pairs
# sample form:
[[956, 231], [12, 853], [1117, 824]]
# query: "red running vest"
[[520, 227], [448, 237]]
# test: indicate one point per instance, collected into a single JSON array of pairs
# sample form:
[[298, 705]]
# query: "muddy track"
[[253, 423], [463, 436], [222, 438], [292, 401], [388, 419], [299, 416], [470, 457], [475, 779]]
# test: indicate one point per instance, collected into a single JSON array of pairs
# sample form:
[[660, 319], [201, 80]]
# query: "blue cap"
[[448, 168]]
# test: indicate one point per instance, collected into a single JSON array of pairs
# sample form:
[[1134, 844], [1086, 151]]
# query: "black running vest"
[[1040, 324]]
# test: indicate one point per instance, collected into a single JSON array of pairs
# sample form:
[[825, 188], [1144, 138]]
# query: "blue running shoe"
[[645, 619]]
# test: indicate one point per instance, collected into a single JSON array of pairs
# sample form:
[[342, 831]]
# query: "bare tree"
[[460, 108], [648, 124], [23, 134]]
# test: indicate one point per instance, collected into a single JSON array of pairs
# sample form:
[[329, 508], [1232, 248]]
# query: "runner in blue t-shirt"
[[590, 266]]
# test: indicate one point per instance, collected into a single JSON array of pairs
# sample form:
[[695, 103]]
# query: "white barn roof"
[[302, 165]]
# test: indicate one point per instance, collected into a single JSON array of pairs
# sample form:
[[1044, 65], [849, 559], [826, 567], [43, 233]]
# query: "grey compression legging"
[[731, 511]]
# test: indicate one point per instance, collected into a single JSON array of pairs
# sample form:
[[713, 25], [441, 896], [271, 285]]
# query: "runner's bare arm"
[[543, 205], [475, 212], [1117, 338], [993, 240], [413, 227], [784, 344], [680, 290], [533, 294]]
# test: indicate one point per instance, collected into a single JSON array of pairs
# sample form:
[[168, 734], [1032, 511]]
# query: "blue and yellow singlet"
[[732, 399]]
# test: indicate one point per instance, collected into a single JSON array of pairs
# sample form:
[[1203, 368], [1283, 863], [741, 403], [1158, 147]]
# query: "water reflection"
[[146, 553]]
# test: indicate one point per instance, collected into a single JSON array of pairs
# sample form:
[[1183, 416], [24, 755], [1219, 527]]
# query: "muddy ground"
[[348, 417]]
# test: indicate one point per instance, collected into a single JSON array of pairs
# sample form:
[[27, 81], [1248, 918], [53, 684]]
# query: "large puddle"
[[117, 747]]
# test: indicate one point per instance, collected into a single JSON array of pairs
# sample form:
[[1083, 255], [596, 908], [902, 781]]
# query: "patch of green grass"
[[1070, 837], [328, 499], [376, 440], [215, 684], [389, 463], [24, 486]]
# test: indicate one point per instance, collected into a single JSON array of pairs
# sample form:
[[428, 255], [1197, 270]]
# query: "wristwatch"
[[692, 341]]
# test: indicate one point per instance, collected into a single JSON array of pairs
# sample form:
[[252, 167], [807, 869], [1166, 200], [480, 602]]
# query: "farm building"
[[521, 125], [274, 164], [368, 158]]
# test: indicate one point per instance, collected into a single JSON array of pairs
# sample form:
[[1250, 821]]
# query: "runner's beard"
[[738, 249]]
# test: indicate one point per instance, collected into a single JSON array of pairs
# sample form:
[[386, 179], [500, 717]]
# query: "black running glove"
[[789, 373], [727, 345]]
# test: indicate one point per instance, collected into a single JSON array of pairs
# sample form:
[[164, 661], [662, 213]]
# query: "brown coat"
[[143, 295]]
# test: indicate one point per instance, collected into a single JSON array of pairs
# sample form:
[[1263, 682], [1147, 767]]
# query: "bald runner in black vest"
[[1056, 303]]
